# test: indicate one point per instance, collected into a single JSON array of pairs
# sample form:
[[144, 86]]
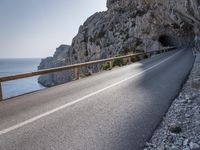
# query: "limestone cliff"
[[58, 59], [126, 26]]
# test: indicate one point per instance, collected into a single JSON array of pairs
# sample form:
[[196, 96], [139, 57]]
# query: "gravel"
[[180, 128]]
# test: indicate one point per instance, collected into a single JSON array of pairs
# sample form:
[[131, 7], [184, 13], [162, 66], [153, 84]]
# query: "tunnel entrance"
[[166, 40]]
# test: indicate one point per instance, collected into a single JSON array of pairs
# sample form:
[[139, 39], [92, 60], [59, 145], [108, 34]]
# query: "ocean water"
[[21, 86]]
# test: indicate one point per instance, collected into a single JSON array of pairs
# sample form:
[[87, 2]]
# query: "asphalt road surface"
[[112, 110]]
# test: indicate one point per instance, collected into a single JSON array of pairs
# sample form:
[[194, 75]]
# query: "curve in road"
[[115, 110]]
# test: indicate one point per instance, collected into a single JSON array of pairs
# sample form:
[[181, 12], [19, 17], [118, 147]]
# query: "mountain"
[[126, 26]]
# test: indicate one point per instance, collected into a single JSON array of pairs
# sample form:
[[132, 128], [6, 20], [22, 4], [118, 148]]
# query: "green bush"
[[106, 66], [137, 58], [117, 62], [133, 59]]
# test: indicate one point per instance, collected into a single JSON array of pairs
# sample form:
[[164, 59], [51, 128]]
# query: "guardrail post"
[[77, 73], [1, 92], [111, 64], [129, 60]]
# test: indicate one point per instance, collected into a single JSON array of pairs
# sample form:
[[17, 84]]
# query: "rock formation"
[[59, 59], [126, 26]]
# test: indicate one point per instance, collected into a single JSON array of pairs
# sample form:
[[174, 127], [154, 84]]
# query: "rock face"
[[126, 26], [59, 59]]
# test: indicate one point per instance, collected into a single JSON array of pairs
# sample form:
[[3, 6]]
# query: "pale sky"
[[35, 28]]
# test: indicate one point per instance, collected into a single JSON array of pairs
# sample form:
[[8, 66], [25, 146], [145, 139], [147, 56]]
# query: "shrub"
[[133, 59], [106, 66], [118, 62], [137, 58]]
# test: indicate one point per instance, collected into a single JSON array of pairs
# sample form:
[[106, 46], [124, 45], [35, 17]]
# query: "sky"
[[35, 28]]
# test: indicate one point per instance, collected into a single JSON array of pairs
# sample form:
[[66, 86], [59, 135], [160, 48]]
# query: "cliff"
[[58, 59], [126, 26]]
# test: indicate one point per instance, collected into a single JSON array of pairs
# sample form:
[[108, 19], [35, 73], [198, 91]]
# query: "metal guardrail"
[[76, 67]]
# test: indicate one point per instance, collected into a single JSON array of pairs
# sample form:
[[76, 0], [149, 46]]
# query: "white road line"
[[4, 131]]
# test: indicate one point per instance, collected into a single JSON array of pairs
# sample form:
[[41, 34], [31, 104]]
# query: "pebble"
[[189, 102], [197, 123], [186, 148], [187, 97], [185, 143], [175, 128], [194, 146], [162, 147], [187, 115], [184, 101]]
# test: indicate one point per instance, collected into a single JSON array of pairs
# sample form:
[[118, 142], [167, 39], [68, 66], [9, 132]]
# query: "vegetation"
[[106, 66], [117, 62], [123, 61], [135, 58], [126, 51]]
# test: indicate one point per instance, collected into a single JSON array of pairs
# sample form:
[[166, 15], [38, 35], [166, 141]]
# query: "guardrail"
[[76, 67]]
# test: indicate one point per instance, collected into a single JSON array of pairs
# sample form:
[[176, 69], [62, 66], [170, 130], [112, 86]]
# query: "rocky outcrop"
[[126, 26], [58, 59]]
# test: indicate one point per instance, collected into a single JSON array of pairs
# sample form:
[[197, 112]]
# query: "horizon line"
[[23, 57]]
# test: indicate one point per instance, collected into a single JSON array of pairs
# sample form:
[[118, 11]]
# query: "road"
[[112, 110]]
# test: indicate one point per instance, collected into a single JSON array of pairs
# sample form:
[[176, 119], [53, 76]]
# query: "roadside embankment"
[[180, 128]]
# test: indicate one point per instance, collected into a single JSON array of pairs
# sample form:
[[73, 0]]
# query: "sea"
[[20, 86]]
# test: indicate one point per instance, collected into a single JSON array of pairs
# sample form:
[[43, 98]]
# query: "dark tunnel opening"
[[166, 40]]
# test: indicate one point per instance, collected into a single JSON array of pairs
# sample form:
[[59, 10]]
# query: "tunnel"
[[166, 40]]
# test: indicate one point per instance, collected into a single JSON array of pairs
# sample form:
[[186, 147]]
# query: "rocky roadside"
[[180, 128]]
